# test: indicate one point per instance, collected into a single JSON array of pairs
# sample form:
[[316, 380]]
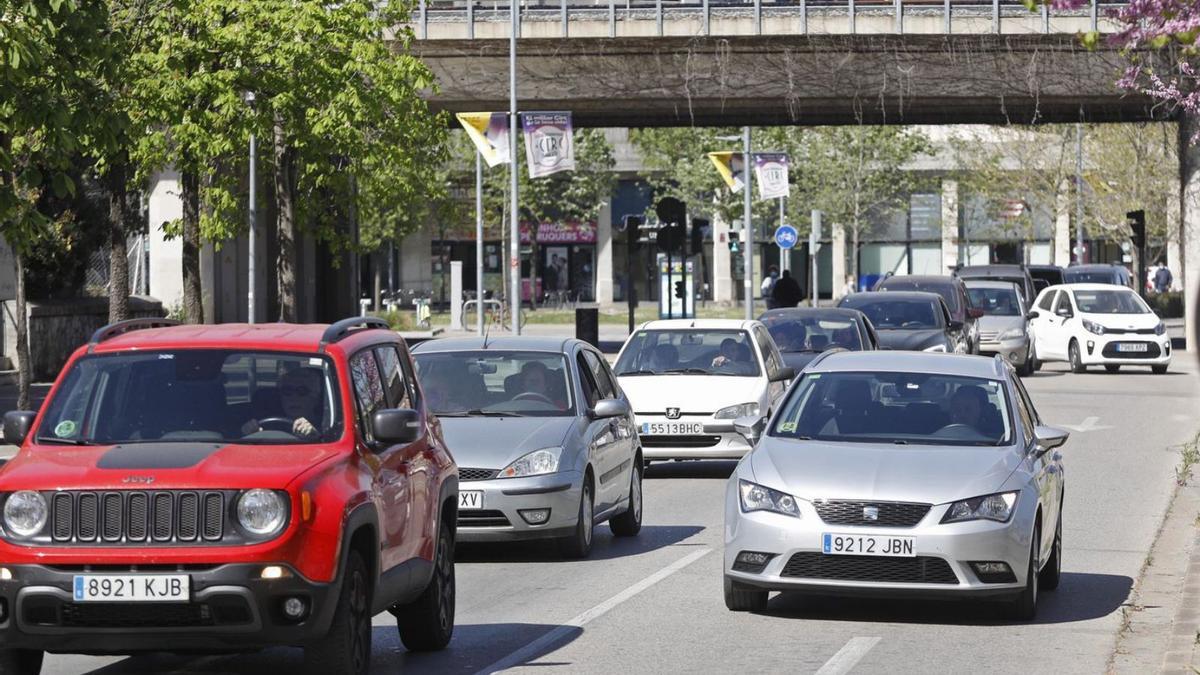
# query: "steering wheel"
[[276, 424], [949, 429], [533, 396]]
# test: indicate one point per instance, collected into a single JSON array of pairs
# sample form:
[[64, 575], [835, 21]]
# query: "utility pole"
[[1079, 257], [747, 171], [479, 242], [513, 169], [253, 220]]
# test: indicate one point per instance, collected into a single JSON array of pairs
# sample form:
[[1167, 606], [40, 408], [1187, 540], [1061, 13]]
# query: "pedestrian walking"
[[1163, 279], [768, 286], [786, 292]]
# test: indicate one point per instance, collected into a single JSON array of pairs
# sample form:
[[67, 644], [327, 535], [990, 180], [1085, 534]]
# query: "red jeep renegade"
[[224, 488]]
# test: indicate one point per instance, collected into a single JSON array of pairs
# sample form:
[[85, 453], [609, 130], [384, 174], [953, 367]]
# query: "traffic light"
[[672, 218], [699, 225], [1137, 228], [735, 243], [680, 291]]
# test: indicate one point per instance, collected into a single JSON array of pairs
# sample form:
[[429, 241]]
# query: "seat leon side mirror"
[[750, 427], [394, 426], [1049, 438], [16, 426]]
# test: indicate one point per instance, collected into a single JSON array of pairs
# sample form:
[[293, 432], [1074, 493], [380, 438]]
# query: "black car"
[[803, 332], [1099, 274], [952, 290], [1018, 274], [910, 320], [1045, 276]]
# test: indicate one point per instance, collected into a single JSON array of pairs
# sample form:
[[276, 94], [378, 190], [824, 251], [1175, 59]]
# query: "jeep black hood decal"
[[157, 455]]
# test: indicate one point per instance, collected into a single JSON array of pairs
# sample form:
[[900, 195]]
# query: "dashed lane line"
[[848, 656]]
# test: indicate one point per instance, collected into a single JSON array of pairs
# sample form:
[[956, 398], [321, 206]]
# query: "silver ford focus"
[[898, 474], [543, 436]]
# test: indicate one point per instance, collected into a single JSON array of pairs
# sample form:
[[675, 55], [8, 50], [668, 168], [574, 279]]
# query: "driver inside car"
[[734, 358], [299, 392], [970, 406], [536, 380]]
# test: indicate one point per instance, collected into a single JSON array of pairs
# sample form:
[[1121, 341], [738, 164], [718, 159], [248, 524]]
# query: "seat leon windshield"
[[901, 408], [496, 383], [205, 395], [691, 351]]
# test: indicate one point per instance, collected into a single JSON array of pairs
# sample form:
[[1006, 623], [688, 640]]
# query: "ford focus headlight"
[[997, 507], [1011, 334], [935, 348], [25, 513], [1093, 327], [735, 411], [755, 497], [261, 512], [535, 463]]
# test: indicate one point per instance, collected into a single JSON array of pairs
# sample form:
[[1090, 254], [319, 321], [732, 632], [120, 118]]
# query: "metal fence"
[[95, 281], [660, 12]]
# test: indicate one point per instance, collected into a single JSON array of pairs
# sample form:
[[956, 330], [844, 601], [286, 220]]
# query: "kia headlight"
[[261, 512], [1011, 334], [755, 497], [536, 463], [735, 411], [935, 348], [997, 507], [1093, 327], [25, 513], [1160, 329]]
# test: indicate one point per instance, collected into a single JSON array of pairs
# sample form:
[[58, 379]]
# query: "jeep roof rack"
[[112, 330], [343, 328]]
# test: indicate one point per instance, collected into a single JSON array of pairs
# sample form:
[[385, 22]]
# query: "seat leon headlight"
[[997, 507], [735, 411], [755, 497], [534, 463]]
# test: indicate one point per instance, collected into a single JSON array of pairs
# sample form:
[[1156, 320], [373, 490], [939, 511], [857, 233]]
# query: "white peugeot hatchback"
[[689, 379], [1098, 324]]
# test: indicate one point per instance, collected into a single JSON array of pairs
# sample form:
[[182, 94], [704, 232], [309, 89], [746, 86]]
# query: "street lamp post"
[[513, 168], [747, 173], [253, 221]]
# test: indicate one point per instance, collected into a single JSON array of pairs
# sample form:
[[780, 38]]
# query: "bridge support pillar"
[[949, 224], [604, 255], [838, 261], [1062, 225], [1174, 250], [722, 272], [1189, 219]]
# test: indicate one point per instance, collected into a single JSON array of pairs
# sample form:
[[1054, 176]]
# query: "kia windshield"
[[195, 395], [496, 383], [691, 351], [1110, 302], [899, 408]]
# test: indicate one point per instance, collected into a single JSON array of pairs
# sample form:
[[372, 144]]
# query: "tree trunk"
[[24, 367], [377, 273], [193, 308], [285, 223], [854, 251], [118, 255]]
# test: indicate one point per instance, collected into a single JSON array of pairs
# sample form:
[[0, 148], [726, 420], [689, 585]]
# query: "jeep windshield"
[[195, 395]]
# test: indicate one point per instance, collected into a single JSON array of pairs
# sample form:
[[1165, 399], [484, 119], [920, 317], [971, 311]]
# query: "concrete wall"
[[59, 327]]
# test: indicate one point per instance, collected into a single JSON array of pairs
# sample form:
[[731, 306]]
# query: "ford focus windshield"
[[499, 383], [204, 395], [900, 408], [689, 352]]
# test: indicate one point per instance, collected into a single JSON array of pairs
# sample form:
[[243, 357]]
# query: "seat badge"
[[870, 513]]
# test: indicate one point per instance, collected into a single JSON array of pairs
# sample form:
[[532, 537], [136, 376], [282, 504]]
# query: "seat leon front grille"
[[125, 516], [918, 570], [876, 514]]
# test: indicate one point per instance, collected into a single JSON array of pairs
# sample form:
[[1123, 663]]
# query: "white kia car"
[[683, 374], [1098, 324]]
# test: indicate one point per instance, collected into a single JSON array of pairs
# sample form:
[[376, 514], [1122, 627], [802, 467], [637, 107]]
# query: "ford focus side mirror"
[[394, 426], [750, 427], [612, 407], [1049, 438], [16, 426], [785, 374]]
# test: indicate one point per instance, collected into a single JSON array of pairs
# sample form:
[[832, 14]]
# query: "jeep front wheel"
[[346, 648], [21, 661], [427, 623]]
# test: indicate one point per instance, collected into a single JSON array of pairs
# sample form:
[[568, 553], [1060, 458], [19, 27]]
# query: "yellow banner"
[[489, 132], [731, 167]]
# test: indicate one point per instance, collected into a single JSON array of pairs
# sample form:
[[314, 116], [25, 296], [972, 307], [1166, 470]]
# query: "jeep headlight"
[[1011, 334], [735, 411], [534, 463], [25, 513], [261, 512]]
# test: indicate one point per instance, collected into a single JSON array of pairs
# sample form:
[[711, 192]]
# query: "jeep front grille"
[[124, 516]]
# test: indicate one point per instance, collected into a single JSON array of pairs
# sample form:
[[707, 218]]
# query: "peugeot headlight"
[[755, 497], [535, 463], [1011, 334], [25, 513], [1160, 329], [1093, 327], [935, 348], [735, 411], [997, 507], [261, 512]]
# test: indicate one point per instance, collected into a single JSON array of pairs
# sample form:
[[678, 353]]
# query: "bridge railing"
[[471, 19]]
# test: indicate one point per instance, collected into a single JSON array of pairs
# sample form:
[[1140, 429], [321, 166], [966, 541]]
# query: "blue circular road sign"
[[786, 236]]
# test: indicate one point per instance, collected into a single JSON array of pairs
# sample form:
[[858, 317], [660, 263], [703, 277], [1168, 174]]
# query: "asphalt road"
[[654, 604]]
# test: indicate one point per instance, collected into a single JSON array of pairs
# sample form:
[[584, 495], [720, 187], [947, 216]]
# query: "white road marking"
[[534, 649], [1088, 424], [848, 656]]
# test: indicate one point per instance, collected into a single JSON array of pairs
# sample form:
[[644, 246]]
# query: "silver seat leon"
[[898, 474], [543, 436]]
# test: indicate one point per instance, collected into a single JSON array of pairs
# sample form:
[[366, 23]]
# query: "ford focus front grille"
[[123, 516]]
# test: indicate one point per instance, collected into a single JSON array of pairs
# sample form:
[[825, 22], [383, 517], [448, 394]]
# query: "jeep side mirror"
[[16, 425], [750, 427], [394, 426], [611, 407], [784, 374]]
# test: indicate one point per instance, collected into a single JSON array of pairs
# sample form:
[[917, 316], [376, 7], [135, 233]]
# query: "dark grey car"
[[952, 289], [910, 320], [801, 333], [543, 436]]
